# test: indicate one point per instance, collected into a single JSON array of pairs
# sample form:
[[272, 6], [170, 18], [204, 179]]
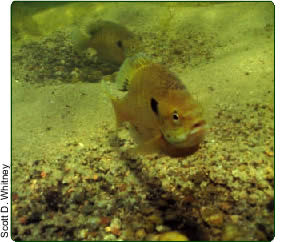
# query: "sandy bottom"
[[72, 178]]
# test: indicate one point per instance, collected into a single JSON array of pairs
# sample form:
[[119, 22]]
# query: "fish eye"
[[119, 44], [175, 116]]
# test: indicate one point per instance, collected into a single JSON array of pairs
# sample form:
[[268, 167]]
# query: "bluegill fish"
[[164, 115], [112, 41]]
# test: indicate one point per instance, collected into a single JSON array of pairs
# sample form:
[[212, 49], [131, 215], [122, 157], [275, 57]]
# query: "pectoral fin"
[[150, 146]]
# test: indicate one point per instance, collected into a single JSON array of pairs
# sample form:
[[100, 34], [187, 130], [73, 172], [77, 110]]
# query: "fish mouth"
[[189, 138], [175, 139]]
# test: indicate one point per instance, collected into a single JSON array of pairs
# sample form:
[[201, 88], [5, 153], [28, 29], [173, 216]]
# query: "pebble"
[[231, 233], [83, 233], [110, 237], [140, 234], [162, 228], [172, 236], [216, 219], [253, 198], [94, 222], [212, 216], [116, 223], [269, 173], [225, 206], [75, 73], [148, 210], [269, 153], [155, 219], [102, 204], [235, 218], [80, 146]]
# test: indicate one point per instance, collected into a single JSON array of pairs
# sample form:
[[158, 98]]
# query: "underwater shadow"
[[183, 221]]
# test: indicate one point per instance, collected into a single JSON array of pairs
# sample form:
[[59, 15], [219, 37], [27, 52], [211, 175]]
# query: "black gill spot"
[[119, 44], [154, 105]]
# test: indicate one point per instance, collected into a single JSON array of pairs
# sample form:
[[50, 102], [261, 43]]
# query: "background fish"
[[159, 107], [112, 41]]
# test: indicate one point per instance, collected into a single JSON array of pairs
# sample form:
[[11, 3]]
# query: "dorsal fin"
[[128, 69]]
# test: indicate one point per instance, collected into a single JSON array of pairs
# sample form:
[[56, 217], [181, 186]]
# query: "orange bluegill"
[[113, 42], [158, 106]]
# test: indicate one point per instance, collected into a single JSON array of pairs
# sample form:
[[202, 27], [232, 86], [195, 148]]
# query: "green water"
[[73, 177]]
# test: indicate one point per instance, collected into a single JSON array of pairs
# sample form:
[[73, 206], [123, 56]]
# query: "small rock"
[[269, 153], [110, 237], [94, 223], [148, 210], [162, 228], [172, 236], [253, 198], [212, 216], [225, 206], [80, 146], [216, 219], [116, 223], [269, 173], [231, 233], [155, 219], [83, 233], [140, 234], [235, 218], [75, 74]]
